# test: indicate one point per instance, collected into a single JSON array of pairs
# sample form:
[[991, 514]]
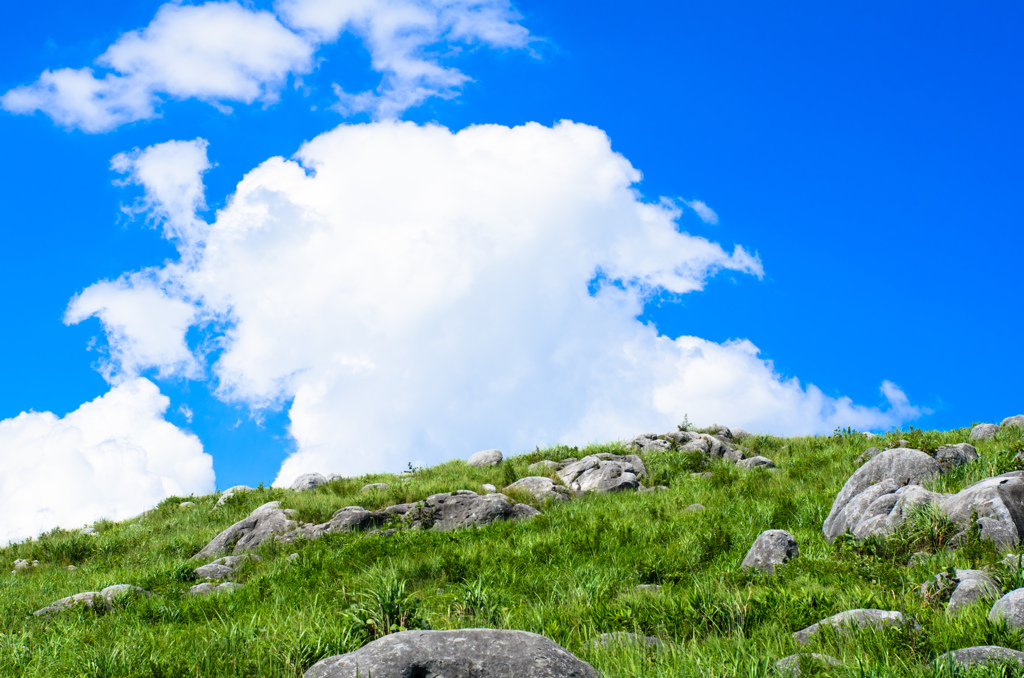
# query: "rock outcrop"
[[464, 653], [771, 549], [542, 489], [485, 458], [603, 473]]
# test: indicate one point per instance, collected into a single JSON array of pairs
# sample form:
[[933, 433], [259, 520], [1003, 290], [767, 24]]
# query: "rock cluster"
[[441, 512], [879, 495], [961, 588], [98, 600], [719, 444]]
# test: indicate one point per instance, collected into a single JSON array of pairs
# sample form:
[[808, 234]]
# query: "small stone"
[[292, 557], [207, 588], [373, 486], [186, 504], [756, 462], [70, 568], [693, 507], [771, 549], [648, 588], [542, 466], [983, 432], [485, 458], [22, 565], [488, 488]]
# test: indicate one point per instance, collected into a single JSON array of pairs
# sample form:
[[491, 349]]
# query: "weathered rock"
[[523, 511], [971, 591], [756, 462], [542, 489], [648, 588], [1015, 420], [999, 503], [624, 638], [869, 435], [734, 456], [680, 437], [488, 488], [882, 475], [854, 619], [485, 458], [654, 488], [308, 481], [351, 519], [983, 432], [186, 504], [99, 600], [463, 653], [740, 434], [22, 565], [222, 568], [770, 549], [951, 456], [542, 466], [719, 430], [266, 522], [451, 511], [373, 486], [207, 588], [1010, 608], [694, 507], [652, 442], [292, 557], [791, 665], [593, 474], [1013, 561], [981, 654], [231, 492]]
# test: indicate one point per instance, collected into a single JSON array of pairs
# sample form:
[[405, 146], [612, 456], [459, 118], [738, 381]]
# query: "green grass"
[[569, 575]]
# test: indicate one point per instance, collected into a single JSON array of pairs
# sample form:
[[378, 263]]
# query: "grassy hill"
[[569, 574]]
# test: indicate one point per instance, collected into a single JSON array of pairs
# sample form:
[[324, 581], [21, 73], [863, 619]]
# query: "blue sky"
[[866, 155]]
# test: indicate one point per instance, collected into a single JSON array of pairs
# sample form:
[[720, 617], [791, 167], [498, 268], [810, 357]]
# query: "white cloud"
[[404, 38], [113, 457], [214, 52], [421, 294], [221, 52], [706, 214]]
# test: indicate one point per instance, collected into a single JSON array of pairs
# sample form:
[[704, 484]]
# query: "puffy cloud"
[[223, 52], [706, 214], [400, 35], [419, 294], [113, 457], [216, 52]]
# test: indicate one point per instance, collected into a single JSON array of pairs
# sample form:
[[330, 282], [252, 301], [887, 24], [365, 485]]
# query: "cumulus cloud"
[[421, 294], [223, 52], [217, 52], [706, 214], [113, 457], [404, 38]]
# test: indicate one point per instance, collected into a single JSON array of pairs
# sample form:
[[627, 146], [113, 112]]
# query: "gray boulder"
[[693, 507], [308, 481], [485, 458], [791, 665], [624, 638], [231, 492], [951, 456], [771, 548], [207, 588], [186, 504], [611, 474], [981, 654], [868, 455], [740, 434], [98, 600], [463, 653], [373, 486], [542, 466], [652, 442], [1016, 420], [1013, 561], [222, 568], [1009, 608], [854, 619], [488, 488], [970, 591], [266, 522], [756, 462], [983, 432], [542, 489], [999, 502], [454, 510], [882, 475]]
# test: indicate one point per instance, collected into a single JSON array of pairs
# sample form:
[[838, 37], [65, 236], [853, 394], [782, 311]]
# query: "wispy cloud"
[[707, 215]]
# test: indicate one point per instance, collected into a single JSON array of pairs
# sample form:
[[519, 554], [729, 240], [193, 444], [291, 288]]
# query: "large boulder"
[[770, 549], [983, 432], [999, 503], [1009, 608], [970, 591], [453, 510], [222, 568], [309, 481], [266, 522], [951, 456], [883, 475], [854, 619], [1015, 420], [542, 489], [609, 474], [755, 462], [485, 458], [231, 492], [463, 653], [981, 654]]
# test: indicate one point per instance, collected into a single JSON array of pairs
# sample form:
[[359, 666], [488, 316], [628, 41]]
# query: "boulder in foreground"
[[981, 654], [463, 653], [771, 549], [854, 619]]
